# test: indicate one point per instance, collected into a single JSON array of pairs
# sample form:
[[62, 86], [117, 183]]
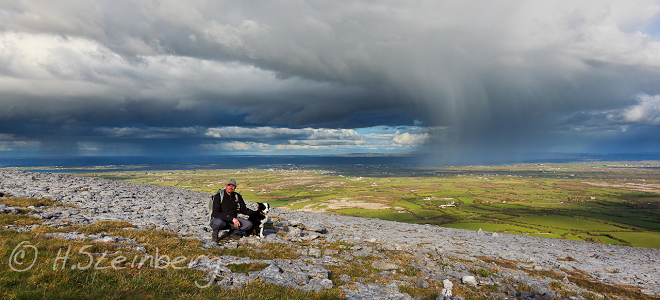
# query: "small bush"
[[555, 284], [568, 258], [410, 271], [491, 288], [481, 272]]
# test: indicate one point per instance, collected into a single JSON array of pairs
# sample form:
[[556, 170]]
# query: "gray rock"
[[326, 261], [294, 266], [383, 265], [469, 280], [272, 269], [390, 246], [294, 233], [498, 296], [374, 291], [344, 278], [347, 256], [230, 245], [361, 253], [234, 281], [399, 283], [314, 252], [308, 236], [317, 285], [446, 292], [422, 284], [330, 252], [316, 227]]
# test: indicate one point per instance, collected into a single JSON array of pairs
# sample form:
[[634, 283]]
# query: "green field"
[[601, 202]]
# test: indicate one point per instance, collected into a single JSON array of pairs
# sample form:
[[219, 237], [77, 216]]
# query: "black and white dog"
[[259, 220]]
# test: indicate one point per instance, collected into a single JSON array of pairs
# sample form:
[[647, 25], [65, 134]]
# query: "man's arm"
[[243, 208]]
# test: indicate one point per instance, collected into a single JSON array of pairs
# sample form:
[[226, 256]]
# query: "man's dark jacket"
[[230, 206]]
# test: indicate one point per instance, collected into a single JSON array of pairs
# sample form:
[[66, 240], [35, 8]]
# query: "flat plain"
[[600, 202]]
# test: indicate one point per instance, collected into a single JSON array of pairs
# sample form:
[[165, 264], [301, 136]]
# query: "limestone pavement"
[[90, 200]]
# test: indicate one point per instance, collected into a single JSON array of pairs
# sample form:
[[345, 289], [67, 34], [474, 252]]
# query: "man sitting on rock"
[[226, 206]]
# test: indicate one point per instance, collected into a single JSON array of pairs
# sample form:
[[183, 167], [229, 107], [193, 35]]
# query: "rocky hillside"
[[511, 266]]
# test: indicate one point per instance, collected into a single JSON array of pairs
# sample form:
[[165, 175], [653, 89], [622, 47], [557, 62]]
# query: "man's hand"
[[237, 224]]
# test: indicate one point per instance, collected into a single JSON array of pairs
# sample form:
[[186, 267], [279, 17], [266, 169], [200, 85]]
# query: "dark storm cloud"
[[69, 80], [494, 74]]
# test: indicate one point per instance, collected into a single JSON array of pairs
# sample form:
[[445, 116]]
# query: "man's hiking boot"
[[232, 234]]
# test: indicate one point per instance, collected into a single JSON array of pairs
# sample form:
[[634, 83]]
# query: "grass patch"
[[105, 226], [393, 216], [407, 204], [492, 227], [428, 213], [567, 258], [545, 235], [26, 202], [646, 239], [567, 222], [410, 271], [19, 220], [482, 272], [353, 270]]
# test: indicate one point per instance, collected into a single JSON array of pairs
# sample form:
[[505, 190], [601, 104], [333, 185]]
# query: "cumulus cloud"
[[234, 132], [646, 111], [381, 138], [86, 146], [254, 147], [407, 139], [292, 147], [244, 139], [19, 145]]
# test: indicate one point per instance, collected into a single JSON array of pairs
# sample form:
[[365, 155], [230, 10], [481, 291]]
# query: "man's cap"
[[231, 181]]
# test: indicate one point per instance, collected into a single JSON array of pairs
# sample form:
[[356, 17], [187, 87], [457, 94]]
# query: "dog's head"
[[264, 207]]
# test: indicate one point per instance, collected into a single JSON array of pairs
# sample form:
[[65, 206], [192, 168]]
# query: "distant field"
[[604, 202]]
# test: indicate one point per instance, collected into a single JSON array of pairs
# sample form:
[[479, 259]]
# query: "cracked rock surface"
[[89, 200]]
